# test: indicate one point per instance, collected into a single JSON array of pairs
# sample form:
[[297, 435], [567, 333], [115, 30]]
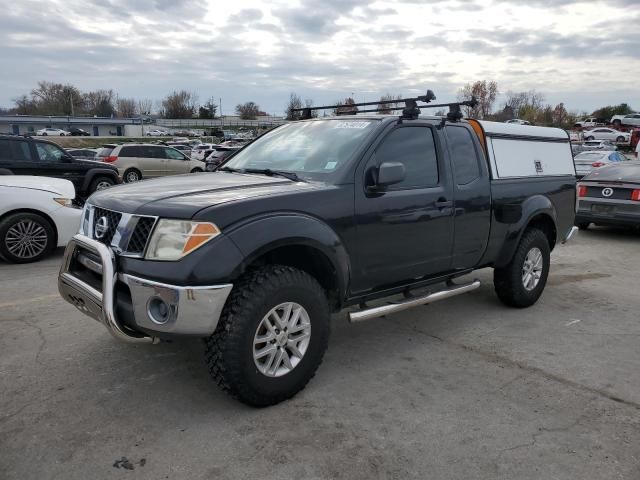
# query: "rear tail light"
[[110, 159], [582, 191], [635, 195], [598, 164]]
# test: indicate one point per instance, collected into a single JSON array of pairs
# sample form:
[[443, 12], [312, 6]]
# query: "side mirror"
[[390, 173], [67, 158]]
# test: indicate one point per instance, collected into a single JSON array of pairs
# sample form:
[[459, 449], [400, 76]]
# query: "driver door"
[[405, 231]]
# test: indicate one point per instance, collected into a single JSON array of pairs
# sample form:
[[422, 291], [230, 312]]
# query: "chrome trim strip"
[[382, 310]]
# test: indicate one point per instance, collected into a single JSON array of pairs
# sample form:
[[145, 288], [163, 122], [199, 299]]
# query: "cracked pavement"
[[465, 388]]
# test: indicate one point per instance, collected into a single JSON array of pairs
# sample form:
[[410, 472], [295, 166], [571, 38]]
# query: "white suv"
[[136, 161], [633, 119]]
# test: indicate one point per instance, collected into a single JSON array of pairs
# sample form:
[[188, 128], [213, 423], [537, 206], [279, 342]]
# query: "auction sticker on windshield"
[[351, 124]]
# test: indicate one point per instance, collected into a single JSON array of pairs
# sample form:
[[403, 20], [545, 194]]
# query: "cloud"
[[324, 50]]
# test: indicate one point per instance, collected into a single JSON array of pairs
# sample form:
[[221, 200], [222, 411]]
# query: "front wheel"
[[521, 282], [196, 170], [620, 139], [590, 137], [271, 337], [26, 237]]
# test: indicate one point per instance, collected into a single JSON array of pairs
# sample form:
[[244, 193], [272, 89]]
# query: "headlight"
[[173, 239], [65, 202]]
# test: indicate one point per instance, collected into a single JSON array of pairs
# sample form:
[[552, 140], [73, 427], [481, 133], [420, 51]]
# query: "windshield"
[[310, 149]]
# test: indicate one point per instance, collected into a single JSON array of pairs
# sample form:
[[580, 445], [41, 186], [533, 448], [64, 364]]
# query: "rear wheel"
[[26, 237], [521, 282], [132, 175], [271, 337], [196, 170]]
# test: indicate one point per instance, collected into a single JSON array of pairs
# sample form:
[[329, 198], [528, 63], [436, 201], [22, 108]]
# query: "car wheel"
[[271, 337], [617, 123], [62, 134], [521, 282], [132, 175], [196, 170], [583, 225], [44, 134], [620, 139], [101, 183], [26, 237], [590, 137]]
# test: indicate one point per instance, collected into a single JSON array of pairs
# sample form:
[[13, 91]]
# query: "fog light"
[[159, 311]]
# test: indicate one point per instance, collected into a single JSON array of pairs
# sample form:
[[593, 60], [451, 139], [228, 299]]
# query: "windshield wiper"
[[264, 171]]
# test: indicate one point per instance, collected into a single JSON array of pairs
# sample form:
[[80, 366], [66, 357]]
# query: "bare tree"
[[294, 102], [385, 105], [99, 103], [485, 92], [180, 104], [515, 101], [126, 107], [56, 99], [145, 106], [248, 110], [346, 107]]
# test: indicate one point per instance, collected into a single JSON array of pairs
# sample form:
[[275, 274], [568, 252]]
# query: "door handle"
[[443, 203]]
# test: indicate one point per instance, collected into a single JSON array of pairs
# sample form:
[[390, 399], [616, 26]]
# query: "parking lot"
[[465, 388]]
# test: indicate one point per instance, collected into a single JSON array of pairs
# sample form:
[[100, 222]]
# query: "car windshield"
[[311, 149]]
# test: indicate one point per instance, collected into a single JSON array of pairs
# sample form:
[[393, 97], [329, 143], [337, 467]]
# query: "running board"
[[382, 310]]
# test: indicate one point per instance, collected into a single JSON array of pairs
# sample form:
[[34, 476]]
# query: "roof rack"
[[410, 110]]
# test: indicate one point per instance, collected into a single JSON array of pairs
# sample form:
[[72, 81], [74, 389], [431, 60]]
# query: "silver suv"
[[136, 161]]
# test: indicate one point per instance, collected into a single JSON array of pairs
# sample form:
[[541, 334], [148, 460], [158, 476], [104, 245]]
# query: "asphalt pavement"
[[462, 389]]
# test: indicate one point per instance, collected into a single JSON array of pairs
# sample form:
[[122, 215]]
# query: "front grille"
[[140, 235], [134, 230], [105, 223]]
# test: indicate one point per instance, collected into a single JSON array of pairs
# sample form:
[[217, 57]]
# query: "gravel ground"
[[465, 389]]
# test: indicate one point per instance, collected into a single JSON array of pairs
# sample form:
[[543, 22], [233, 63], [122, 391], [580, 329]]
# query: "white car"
[[37, 216], [633, 119], [202, 151], [585, 162], [607, 134], [52, 131], [590, 122], [157, 133]]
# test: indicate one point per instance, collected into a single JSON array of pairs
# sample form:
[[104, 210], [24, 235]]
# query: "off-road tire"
[[97, 181], [15, 218], [507, 281], [583, 225], [229, 351], [128, 173]]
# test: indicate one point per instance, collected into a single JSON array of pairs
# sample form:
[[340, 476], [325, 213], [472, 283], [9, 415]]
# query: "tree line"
[[50, 98]]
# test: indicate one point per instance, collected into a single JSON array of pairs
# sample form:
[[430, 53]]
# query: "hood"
[[182, 196], [627, 172], [59, 186]]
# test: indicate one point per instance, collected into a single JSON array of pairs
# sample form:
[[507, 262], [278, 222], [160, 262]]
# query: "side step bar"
[[382, 310]]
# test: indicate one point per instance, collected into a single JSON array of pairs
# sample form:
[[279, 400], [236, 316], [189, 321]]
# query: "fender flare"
[[529, 209], [94, 172], [257, 236]]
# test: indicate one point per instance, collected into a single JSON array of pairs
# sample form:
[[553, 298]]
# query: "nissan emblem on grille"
[[101, 228], [607, 192]]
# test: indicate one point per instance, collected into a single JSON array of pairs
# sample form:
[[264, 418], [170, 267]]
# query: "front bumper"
[[89, 281]]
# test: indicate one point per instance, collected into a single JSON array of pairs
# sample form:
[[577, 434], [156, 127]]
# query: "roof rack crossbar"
[[410, 109]]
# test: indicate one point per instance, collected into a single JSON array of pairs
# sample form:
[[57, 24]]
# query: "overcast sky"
[[585, 53]]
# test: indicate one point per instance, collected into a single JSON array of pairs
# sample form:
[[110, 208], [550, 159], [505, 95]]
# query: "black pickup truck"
[[313, 217]]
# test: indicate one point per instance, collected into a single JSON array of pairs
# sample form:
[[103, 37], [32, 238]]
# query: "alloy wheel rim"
[[26, 239], [102, 185], [132, 177], [532, 269], [282, 339]]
